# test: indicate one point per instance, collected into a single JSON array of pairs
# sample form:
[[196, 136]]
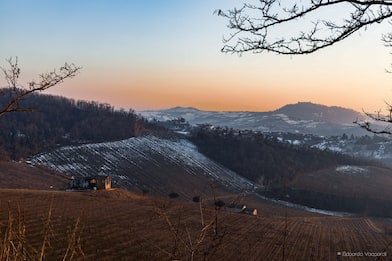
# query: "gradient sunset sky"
[[158, 54]]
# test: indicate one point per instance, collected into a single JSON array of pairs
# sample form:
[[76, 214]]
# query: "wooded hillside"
[[262, 158], [60, 121]]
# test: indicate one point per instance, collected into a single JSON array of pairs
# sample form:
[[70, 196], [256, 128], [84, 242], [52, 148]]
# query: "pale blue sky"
[[157, 54]]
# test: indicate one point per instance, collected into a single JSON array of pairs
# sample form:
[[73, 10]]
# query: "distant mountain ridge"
[[302, 117], [318, 112]]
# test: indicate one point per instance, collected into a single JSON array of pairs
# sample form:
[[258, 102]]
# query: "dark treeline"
[[262, 158], [60, 121], [363, 205]]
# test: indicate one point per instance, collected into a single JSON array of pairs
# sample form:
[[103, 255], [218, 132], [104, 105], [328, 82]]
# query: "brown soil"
[[119, 225], [21, 175]]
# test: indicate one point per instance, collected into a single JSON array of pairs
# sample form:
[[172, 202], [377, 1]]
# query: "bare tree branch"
[[385, 119], [272, 26], [257, 27], [46, 80]]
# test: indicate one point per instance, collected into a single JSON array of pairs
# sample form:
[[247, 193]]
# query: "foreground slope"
[[16, 175], [157, 165], [119, 225]]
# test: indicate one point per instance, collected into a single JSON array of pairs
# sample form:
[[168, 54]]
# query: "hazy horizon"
[[154, 55], [273, 109]]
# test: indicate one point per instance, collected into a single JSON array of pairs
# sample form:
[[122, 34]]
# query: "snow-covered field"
[[134, 159], [352, 170]]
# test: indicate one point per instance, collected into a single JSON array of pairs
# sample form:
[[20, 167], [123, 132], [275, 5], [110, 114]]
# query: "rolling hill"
[[161, 166], [18, 175], [58, 121], [319, 113], [149, 163], [303, 175], [303, 117]]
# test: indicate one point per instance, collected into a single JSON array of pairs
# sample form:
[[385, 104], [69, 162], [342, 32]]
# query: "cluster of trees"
[[262, 158], [16, 93], [62, 121]]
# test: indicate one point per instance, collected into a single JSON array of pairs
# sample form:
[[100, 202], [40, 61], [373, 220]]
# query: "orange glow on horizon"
[[174, 59], [203, 94], [231, 88]]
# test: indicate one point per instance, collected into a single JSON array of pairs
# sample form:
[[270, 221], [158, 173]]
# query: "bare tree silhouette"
[[301, 27], [385, 119], [17, 92], [261, 27]]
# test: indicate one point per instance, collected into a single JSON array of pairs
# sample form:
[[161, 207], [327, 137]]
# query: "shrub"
[[173, 195]]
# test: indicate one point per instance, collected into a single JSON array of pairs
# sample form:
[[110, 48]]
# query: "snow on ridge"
[[349, 169], [290, 121], [325, 145], [113, 158]]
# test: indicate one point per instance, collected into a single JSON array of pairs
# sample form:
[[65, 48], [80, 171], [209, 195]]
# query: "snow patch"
[[325, 145], [306, 208], [116, 158], [354, 170]]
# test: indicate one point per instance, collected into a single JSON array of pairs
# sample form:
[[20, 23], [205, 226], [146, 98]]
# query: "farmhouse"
[[94, 183]]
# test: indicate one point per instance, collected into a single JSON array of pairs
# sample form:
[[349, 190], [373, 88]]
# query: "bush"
[[173, 195], [196, 199], [219, 203]]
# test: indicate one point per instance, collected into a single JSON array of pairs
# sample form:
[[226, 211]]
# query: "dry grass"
[[16, 246], [119, 225], [15, 175]]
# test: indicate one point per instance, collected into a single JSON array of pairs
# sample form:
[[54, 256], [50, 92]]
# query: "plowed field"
[[119, 225]]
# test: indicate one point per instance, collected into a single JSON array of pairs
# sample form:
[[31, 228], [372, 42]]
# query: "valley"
[[304, 124], [173, 189]]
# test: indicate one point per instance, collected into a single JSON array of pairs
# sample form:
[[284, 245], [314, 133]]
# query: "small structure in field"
[[242, 208], [93, 183], [250, 211]]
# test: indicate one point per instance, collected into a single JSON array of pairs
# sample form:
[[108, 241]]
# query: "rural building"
[[242, 208], [250, 211], [94, 183]]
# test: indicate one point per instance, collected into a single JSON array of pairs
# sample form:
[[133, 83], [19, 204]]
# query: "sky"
[[158, 54]]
